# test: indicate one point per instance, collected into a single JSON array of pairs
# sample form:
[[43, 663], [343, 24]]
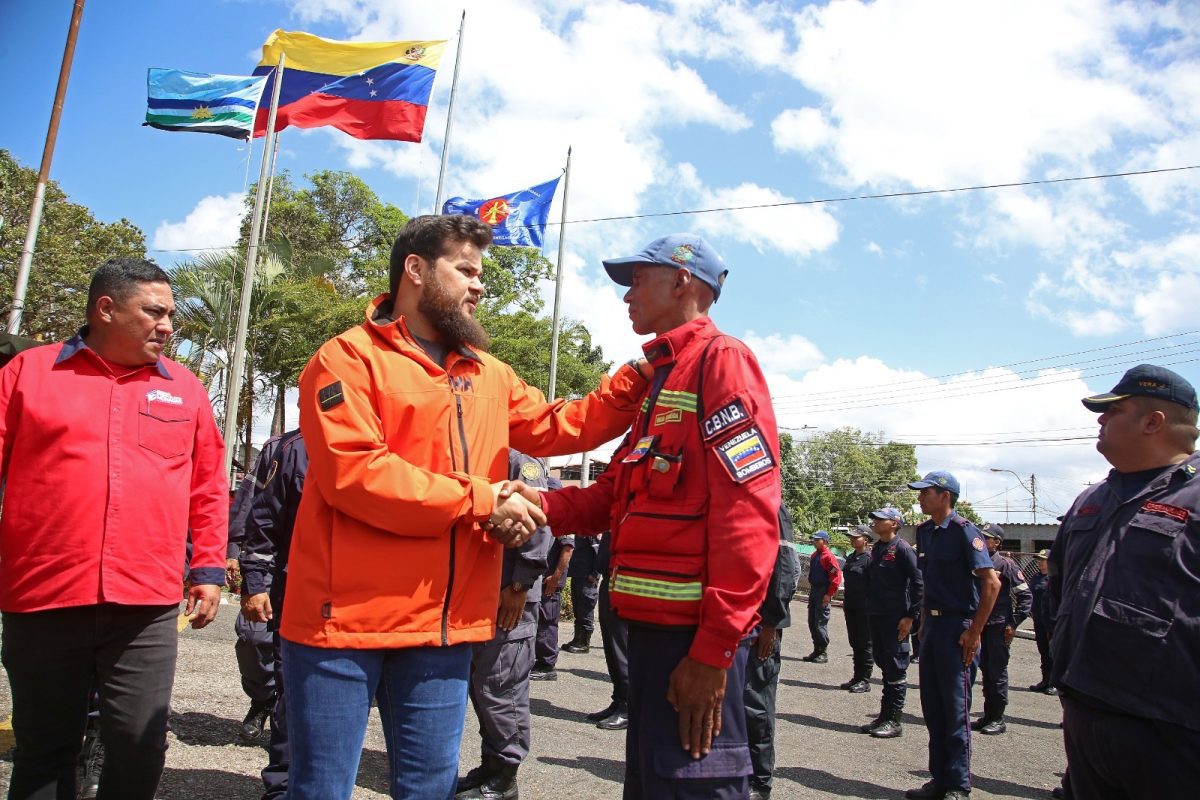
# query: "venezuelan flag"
[[370, 90]]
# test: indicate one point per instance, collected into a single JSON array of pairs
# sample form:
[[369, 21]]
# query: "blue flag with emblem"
[[197, 101], [515, 219]]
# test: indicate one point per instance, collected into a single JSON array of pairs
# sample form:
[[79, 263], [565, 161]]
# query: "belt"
[[933, 612]]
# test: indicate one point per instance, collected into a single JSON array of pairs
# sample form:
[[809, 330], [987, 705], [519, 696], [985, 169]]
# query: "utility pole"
[[1033, 492]]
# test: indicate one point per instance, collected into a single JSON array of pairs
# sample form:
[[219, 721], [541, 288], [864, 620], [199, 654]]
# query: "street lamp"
[[1031, 488]]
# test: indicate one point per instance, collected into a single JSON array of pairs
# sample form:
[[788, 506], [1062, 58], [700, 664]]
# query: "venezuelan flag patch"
[[745, 455]]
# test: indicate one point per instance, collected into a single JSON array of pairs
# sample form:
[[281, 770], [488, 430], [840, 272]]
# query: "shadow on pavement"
[[541, 707], [835, 784], [824, 687], [1001, 788], [604, 768], [1033, 723], [178, 784], [208, 730], [587, 674], [373, 771], [817, 722]]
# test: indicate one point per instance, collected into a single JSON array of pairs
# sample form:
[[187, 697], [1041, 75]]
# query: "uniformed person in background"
[[1125, 570], [1012, 607], [585, 592], [545, 646], [960, 589], [895, 590], [263, 561], [854, 608], [824, 578], [1043, 620], [762, 670], [500, 668], [614, 632]]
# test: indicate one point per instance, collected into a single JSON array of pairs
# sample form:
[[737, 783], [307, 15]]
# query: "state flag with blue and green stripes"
[[196, 101]]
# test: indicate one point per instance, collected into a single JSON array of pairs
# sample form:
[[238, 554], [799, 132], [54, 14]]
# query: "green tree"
[[838, 478], [71, 243]]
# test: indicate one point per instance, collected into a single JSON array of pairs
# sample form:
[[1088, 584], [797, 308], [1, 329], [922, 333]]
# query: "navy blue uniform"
[[264, 561], [894, 592], [584, 593], [948, 556], [1043, 622], [1011, 609], [762, 675], [854, 607], [1125, 572], [545, 646], [823, 574], [614, 631]]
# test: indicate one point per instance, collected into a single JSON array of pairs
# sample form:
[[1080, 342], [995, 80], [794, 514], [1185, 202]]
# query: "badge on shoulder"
[[331, 396], [745, 455], [727, 418]]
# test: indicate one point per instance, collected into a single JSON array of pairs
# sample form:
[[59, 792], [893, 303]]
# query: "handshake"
[[516, 513]]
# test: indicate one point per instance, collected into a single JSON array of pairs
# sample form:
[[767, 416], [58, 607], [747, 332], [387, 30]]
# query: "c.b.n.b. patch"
[[745, 455], [331, 396], [728, 417]]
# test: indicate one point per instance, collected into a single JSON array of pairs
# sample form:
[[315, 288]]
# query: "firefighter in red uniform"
[[692, 500]]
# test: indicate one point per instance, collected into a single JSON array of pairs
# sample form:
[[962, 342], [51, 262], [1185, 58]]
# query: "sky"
[[967, 322]]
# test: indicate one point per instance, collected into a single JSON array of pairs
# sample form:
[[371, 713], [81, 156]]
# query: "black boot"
[[989, 707], [580, 644], [995, 725], [501, 786], [478, 776], [890, 727], [875, 723], [816, 657]]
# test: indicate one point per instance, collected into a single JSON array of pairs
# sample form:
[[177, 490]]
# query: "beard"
[[447, 316]]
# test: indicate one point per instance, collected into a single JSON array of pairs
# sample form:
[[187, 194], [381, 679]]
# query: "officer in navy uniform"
[[1043, 620], [854, 608], [500, 667], [762, 669], [585, 592], [1011, 609], [545, 647], [895, 590], [264, 560], [1125, 571], [824, 578], [614, 632], [960, 589]]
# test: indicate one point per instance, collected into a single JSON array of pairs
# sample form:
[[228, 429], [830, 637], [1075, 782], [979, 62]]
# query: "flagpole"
[[441, 193], [558, 280], [239, 347], [39, 193]]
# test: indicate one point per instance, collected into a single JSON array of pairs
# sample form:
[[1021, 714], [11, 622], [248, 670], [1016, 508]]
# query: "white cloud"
[[786, 354], [801, 130], [213, 223], [993, 278], [874, 249]]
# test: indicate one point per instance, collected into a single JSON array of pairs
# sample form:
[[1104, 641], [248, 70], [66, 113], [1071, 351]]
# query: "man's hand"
[[970, 644], [233, 572], [593, 579], [202, 602], [1009, 633], [257, 607], [511, 605], [825, 601], [764, 645], [903, 628], [513, 520], [509, 488], [643, 366], [551, 581], [696, 691]]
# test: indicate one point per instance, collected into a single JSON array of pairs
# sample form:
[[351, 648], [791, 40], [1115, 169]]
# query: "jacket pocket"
[[723, 761], [165, 429], [652, 587]]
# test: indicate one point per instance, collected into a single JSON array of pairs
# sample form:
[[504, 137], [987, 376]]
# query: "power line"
[[821, 201]]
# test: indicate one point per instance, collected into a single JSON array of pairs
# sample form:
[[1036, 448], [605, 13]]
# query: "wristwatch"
[[519, 587]]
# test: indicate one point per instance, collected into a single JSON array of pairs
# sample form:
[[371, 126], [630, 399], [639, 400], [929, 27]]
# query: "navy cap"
[[861, 530], [992, 530], [1147, 380], [821, 535], [1042, 555], [939, 480], [679, 250], [889, 512]]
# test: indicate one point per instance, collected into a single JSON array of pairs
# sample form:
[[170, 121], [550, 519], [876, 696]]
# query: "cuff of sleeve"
[[551, 505], [712, 650], [628, 386], [527, 574], [207, 575], [253, 582], [482, 504], [233, 549]]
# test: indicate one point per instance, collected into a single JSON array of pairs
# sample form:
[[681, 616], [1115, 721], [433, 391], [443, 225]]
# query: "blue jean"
[[422, 697]]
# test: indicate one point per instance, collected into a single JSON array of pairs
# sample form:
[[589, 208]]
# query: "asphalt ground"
[[819, 751]]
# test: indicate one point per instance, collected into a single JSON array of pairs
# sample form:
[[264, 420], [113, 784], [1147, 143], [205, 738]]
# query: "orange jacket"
[[387, 550]]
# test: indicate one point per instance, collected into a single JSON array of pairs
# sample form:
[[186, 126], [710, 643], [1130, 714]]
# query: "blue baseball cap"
[[1146, 380], [679, 250], [888, 512], [992, 530], [861, 530], [821, 535], [939, 480]]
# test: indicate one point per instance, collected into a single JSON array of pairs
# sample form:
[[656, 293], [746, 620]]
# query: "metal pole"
[[585, 470], [1033, 491], [39, 193], [441, 190], [558, 280], [239, 346]]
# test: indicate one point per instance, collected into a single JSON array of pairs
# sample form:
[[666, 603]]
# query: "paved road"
[[820, 752]]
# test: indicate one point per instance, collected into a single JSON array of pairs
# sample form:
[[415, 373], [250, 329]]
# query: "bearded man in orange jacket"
[[408, 423]]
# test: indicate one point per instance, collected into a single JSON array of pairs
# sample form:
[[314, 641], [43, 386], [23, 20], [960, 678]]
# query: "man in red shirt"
[[110, 455], [824, 579], [692, 499]]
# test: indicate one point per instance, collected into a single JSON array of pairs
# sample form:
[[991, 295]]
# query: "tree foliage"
[[71, 243], [837, 478]]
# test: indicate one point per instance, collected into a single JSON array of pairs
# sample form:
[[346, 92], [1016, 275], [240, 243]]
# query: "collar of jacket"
[[666, 348], [395, 333]]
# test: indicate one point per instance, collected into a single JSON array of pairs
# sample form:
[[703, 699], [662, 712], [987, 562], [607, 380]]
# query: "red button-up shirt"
[[106, 468]]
